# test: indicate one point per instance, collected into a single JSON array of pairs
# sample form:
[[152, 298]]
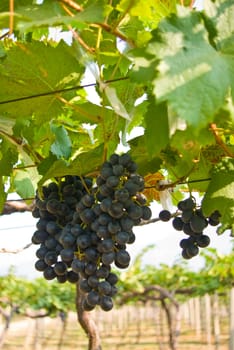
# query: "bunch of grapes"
[[84, 228], [108, 214], [55, 212], [192, 222]]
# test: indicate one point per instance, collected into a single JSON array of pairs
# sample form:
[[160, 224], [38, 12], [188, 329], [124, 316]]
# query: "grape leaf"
[[23, 185], [157, 128], [30, 69], [29, 16], [184, 68], [62, 144], [188, 76], [84, 163], [219, 195], [8, 157]]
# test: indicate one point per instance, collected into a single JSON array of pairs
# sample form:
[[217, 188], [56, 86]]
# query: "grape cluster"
[[191, 220], [108, 213], [89, 226], [55, 213]]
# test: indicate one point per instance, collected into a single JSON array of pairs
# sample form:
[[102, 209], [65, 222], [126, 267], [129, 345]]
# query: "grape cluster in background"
[[190, 219], [84, 228]]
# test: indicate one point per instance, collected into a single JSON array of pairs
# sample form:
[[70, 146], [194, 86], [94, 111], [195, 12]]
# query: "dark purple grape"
[[93, 298], [62, 278], [84, 286], [121, 237], [87, 216], [126, 223], [112, 278], [90, 268], [78, 265], [60, 268], [186, 216], [51, 257], [122, 258], [198, 223], [104, 288], [146, 213], [116, 210], [177, 223], [86, 306], [164, 215], [41, 252], [91, 254], [93, 281], [67, 254], [203, 241], [108, 258], [106, 303], [114, 159], [186, 204], [40, 265], [72, 277], [39, 237], [192, 250], [51, 243], [49, 273], [103, 271]]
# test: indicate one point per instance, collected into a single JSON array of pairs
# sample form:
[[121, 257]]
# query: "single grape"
[[164, 215], [192, 250], [112, 278], [146, 213], [106, 303], [93, 298], [93, 281], [203, 241], [41, 252], [86, 306], [84, 286], [39, 237], [40, 265], [177, 223], [198, 223], [104, 288], [60, 268], [186, 204], [72, 277], [51, 257], [67, 254], [49, 273], [122, 258]]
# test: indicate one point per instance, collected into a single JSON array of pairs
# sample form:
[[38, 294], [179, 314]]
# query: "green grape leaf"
[[8, 157], [62, 144], [184, 67], [29, 16], [84, 163], [219, 195], [23, 185], [30, 69], [156, 127]]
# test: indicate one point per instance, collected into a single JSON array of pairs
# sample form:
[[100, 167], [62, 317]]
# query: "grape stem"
[[162, 187]]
